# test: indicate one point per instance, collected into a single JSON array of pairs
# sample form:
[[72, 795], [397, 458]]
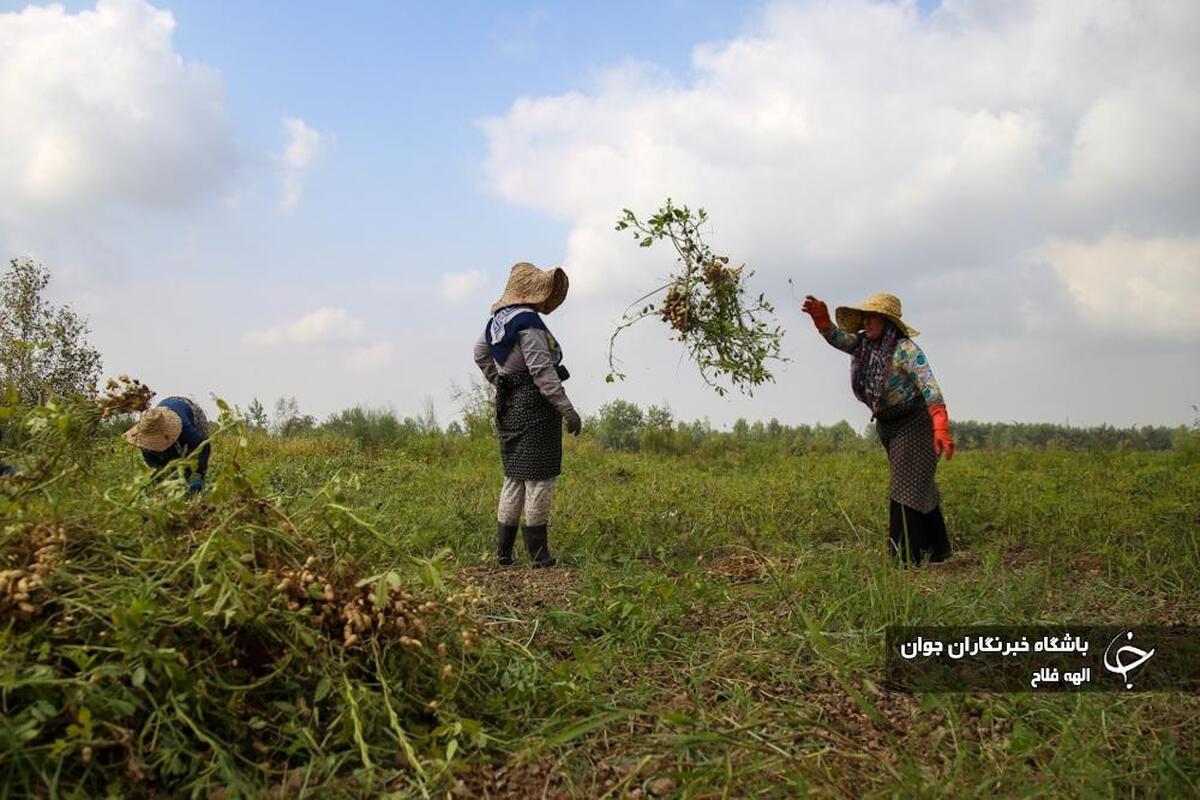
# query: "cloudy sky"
[[322, 200]]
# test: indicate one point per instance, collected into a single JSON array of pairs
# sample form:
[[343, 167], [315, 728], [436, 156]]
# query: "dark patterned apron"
[[530, 430], [907, 435]]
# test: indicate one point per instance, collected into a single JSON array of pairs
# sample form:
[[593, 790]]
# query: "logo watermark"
[[1069, 658]]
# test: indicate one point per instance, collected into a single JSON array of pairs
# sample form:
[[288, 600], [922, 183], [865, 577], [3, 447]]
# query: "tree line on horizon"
[[624, 425], [44, 353]]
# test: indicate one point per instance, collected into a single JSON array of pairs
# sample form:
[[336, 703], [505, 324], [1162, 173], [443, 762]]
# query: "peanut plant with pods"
[[705, 302], [152, 643]]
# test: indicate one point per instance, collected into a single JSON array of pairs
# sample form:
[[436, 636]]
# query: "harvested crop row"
[[181, 646]]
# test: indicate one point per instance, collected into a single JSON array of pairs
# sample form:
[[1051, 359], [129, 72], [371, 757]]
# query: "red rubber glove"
[[942, 443], [818, 311]]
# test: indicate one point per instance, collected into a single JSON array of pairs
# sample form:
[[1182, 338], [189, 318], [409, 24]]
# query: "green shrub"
[[617, 424], [371, 428]]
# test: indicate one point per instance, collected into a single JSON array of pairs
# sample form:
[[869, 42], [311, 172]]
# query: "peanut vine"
[[706, 303]]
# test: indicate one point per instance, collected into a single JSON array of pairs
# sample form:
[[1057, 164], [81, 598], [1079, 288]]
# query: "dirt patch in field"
[[1088, 563], [826, 730], [740, 566], [716, 617], [603, 767], [820, 732], [524, 588], [540, 778], [1174, 611]]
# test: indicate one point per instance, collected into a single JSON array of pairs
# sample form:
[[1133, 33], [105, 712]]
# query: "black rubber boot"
[[536, 546], [506, 537]]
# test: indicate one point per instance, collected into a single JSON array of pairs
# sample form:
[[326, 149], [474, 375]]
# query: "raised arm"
[[846, 342]]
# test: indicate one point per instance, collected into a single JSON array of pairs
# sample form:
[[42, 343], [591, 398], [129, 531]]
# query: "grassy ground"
[[714, 629]]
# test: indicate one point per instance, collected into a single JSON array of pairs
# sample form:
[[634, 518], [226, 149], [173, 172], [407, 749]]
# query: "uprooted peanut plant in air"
[[705, 302]]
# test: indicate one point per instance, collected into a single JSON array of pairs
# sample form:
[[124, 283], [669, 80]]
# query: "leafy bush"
[[371, 428], [477, 402], [616, 425], [1186, 441]]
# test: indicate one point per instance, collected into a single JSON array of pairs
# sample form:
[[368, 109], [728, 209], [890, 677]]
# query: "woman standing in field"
[[890, 374], [519, 356]]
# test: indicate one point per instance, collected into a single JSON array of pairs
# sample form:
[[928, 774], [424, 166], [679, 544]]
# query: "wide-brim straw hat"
[[158, 429], [544, 289], [850, 318]]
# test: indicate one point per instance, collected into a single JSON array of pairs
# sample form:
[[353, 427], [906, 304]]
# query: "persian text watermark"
[[1070, 658]]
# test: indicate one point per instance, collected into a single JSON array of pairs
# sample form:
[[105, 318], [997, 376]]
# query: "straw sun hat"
[[850, 318], [527, 285], [158, 429]]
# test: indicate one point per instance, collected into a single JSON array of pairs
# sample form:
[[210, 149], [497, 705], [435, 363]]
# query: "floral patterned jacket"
[[909, 375]]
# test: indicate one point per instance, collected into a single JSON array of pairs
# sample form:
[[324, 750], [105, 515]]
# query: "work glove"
[[574, 423], [942, 443], [818, 311], [195, 485]]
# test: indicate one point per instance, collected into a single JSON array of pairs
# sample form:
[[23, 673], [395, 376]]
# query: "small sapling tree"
[[44, 350], [256, 415]]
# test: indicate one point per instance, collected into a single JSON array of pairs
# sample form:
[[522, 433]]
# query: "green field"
[[715, 627]]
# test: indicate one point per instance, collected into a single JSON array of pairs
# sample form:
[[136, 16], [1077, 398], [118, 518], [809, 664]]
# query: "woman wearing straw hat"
[[522, 359], [890, 374], [173, 429]]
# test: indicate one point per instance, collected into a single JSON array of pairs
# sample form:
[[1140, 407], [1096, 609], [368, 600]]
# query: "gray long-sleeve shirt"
[[537, 354]]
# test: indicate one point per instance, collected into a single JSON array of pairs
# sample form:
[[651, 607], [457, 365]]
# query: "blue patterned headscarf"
[[870, 365]]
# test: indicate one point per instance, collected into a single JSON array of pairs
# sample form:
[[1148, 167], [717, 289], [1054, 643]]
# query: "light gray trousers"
[[531, 496]]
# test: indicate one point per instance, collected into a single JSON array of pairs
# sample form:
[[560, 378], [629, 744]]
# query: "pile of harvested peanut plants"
[[156, 644]]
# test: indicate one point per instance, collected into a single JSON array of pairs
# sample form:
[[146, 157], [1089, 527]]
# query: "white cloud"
[[859, 142], [1121, 283], [320, 326], [976, 161], [371, 357], [303, 148], [460, 286], [100, 110]]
